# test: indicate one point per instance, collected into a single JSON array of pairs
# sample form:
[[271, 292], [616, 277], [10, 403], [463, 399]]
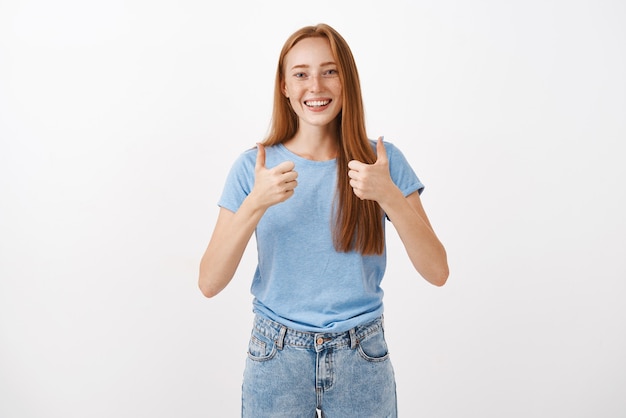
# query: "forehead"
[[309, 51]]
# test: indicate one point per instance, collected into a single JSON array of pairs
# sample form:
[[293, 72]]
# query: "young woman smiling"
[[316, 193]]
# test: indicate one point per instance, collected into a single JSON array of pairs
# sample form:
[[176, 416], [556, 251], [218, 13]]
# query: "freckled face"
[[312, 82]]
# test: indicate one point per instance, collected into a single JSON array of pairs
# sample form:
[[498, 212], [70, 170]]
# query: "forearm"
[[226, 247], [426, 252], [233, 230]]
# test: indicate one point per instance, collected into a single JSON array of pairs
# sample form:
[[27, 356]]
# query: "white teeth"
[[317, 103]]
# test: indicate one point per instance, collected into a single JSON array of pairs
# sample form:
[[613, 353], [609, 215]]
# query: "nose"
[[316, 84]]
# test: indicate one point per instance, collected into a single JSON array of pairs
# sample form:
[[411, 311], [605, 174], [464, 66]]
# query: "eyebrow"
[[324, 64]]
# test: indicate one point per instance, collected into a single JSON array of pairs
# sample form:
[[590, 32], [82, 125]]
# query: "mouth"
[[314, 104]]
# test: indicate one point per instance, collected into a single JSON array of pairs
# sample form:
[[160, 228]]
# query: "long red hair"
[[357, 223]]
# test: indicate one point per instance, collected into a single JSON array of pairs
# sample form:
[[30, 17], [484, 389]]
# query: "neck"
[[314, 144]]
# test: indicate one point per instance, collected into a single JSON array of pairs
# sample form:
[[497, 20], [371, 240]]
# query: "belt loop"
[[281, 337], [353, 340]]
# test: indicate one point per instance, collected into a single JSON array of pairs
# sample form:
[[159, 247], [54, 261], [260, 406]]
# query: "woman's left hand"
[[372, 181]]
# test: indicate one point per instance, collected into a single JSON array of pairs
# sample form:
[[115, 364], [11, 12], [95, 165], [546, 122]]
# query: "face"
[[312, 82]]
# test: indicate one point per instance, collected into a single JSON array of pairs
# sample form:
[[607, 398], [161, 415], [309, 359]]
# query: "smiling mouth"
[[317, 103]]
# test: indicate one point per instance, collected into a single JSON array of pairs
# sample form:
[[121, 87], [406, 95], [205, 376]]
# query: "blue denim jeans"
[[292, 374]]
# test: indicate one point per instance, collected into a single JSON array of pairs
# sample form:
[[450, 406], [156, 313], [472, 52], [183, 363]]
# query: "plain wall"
[[120, 119]]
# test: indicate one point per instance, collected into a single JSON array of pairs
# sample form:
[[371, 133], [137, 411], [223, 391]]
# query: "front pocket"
[[260, 348], [374, 347]]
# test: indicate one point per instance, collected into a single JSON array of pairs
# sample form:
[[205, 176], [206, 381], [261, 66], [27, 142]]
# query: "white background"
[[120, 119]]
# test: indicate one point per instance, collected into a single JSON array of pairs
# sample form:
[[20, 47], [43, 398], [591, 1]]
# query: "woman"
[[316, 194]]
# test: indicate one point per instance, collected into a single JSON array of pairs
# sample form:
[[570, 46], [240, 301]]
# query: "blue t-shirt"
[[301, 281]]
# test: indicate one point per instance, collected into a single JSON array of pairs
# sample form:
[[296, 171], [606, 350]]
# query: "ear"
[[283, 88]]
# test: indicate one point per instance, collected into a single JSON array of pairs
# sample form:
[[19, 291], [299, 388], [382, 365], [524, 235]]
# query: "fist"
[[273, 185]]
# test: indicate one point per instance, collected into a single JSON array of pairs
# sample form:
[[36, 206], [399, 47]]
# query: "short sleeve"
[[239, 181], [401, 171]]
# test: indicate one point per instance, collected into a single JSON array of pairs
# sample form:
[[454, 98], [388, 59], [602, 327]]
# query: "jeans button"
[[320, 341]]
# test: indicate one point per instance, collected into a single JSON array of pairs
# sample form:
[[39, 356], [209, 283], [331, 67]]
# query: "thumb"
[[260, 156], [381, 152]]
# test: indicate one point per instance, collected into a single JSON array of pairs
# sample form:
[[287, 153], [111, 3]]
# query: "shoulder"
[[246, 161], [246, 158], [249, 154], [391, 148], [393, 152]]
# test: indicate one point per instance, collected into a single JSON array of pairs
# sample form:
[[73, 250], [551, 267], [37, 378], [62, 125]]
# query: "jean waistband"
[[318, 341]]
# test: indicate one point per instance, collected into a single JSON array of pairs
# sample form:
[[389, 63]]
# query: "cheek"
[[337, 90], [292, 91], [339, 97]]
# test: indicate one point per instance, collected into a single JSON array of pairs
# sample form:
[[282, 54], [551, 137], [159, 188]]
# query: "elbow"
[[432, 266], [436, 275], [207, 291], [440, 278], [206, 286], [439, 275]]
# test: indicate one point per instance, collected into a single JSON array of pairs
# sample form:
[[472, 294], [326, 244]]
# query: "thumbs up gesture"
[[273, 185], [371, 181]]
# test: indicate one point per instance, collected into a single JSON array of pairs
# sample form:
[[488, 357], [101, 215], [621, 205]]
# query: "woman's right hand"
[[272, 185], [233, 230]]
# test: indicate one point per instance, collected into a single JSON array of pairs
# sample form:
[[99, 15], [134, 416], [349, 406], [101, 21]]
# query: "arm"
[[373, 182], [233, 230], [229, 240], [424, 249]]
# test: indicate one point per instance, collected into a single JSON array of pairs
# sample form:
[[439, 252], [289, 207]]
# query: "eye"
[[331, 72], [299, 75]]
